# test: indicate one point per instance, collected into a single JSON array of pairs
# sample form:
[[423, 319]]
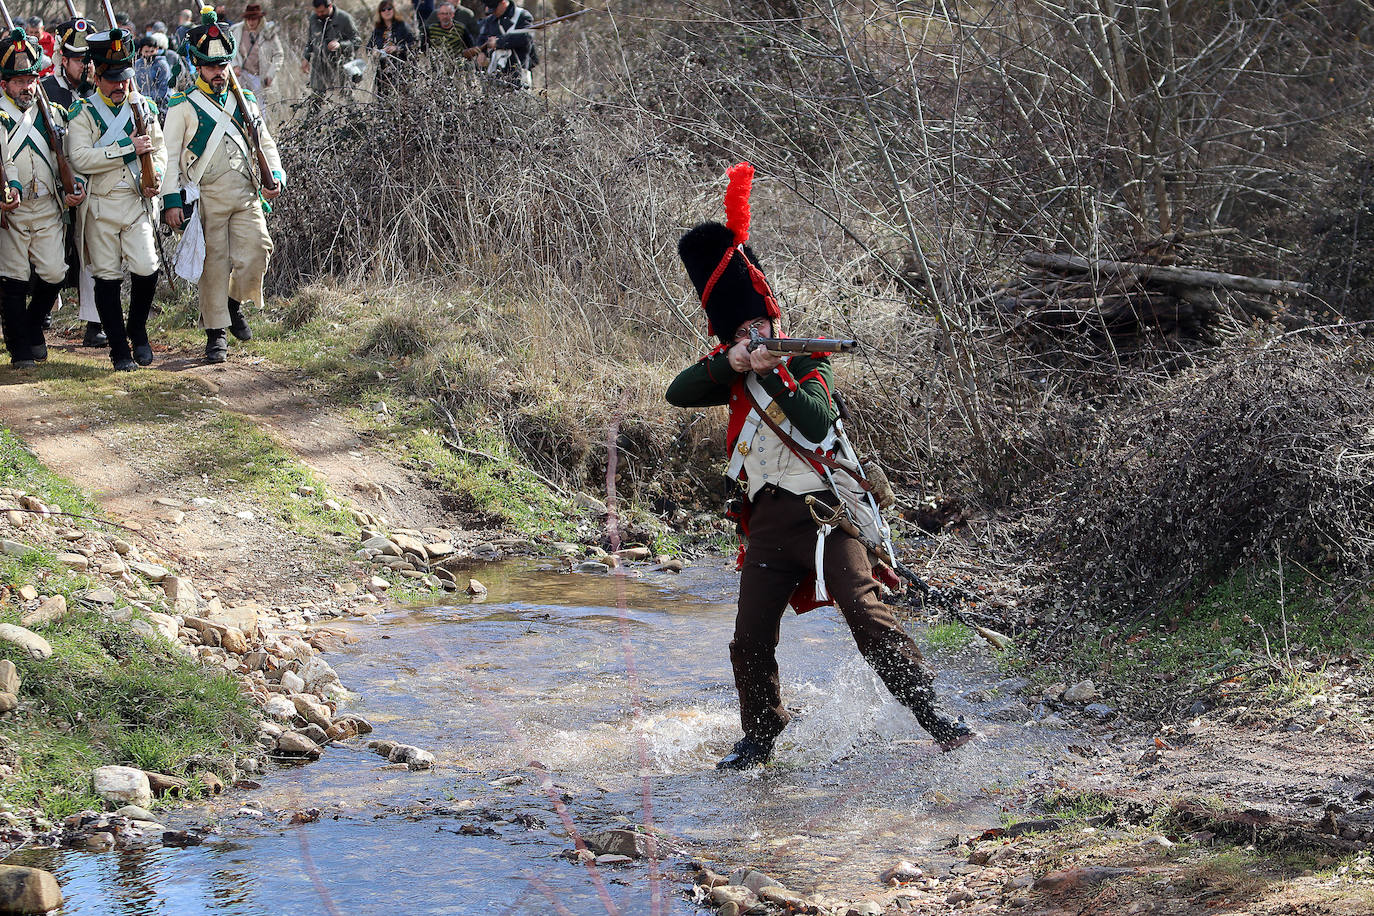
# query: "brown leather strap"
[[796, 448]]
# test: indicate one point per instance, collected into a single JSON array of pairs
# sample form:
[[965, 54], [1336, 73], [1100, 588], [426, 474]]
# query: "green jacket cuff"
[[172, 201]]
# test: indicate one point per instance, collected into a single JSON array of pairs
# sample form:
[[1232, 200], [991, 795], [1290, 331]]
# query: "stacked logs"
[[1066, 294]]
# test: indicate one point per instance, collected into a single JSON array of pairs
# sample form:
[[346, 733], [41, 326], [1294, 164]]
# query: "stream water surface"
[[608, 699]]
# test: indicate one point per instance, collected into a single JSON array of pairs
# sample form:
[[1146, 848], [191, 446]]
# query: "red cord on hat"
[[737, 221]]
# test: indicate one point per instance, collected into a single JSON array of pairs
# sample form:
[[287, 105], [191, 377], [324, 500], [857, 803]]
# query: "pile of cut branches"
[[1121, 300]]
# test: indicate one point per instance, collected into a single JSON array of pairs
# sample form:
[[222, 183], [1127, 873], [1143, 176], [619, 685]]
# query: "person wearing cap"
[[72, 79], [174, 64], [152, 75], [118, 226], [505, 44], [257, 52], [33, 261], [210, 159], [785, 545], [331, 43]]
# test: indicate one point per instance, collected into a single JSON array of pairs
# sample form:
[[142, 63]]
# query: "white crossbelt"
[[25, 128], [118, 122], [223, 119], [117, 130]]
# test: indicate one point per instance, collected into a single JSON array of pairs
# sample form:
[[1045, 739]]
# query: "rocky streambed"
[[573, 719]]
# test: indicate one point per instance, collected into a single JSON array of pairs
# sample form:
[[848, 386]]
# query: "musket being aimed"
[[472, 52], [147, 171], [799, 344], [64, 168]]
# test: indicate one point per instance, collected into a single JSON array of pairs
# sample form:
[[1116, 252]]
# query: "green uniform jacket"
[[801, 387]]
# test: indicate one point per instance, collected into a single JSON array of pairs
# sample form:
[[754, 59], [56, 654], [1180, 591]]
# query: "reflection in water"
[[537, 672]]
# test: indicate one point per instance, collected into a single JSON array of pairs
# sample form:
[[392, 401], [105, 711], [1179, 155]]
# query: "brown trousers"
[[780, 555]]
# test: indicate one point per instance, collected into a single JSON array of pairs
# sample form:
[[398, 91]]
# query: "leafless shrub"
[[1341, 218], [1270, 448], [907, 158]]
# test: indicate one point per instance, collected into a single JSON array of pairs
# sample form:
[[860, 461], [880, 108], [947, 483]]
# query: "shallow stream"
[[619, 689]]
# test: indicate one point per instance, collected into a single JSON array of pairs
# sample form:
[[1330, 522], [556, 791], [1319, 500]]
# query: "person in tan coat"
[[119, 222], [212, 161], [33, 237], [257, 52]]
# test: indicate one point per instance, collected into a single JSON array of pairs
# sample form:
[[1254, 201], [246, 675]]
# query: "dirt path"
[[281, 403], [146, 467]]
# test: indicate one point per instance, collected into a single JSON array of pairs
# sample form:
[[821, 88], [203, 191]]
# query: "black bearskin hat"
[[19, 55], [210, 42], [724, 269], [112, 52]]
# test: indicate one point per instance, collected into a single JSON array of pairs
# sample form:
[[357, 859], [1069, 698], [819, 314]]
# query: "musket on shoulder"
[[800, 344], [251, 123], [64, 168]]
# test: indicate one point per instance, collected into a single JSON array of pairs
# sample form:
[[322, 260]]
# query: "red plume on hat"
[[723, 267], [737, 200]]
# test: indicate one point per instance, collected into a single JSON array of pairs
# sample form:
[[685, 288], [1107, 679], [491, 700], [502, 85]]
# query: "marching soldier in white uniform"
[[118, 228], [70, 81], [32, 242], [211, 157]]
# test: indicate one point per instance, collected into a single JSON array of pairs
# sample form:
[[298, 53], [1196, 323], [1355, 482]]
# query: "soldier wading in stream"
[[780, 564]]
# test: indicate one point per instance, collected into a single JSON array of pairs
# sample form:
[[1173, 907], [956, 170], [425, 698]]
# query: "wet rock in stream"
[[28, 890]]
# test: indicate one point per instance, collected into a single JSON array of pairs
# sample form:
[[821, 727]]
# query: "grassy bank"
[[1271, 638], [495, 403], [107, 694]]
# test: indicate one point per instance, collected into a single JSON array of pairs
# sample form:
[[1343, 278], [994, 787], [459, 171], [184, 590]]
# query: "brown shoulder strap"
[[796, 448]]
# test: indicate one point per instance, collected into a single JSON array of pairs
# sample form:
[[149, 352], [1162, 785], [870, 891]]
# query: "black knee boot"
[[238, 325], [906, 675], [14, 296], [40, 316], [107, 303], [142, 288]]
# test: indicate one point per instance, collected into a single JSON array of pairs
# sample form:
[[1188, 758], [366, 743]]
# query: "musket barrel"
[[801, 344], [147, 172], [265, 177]]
